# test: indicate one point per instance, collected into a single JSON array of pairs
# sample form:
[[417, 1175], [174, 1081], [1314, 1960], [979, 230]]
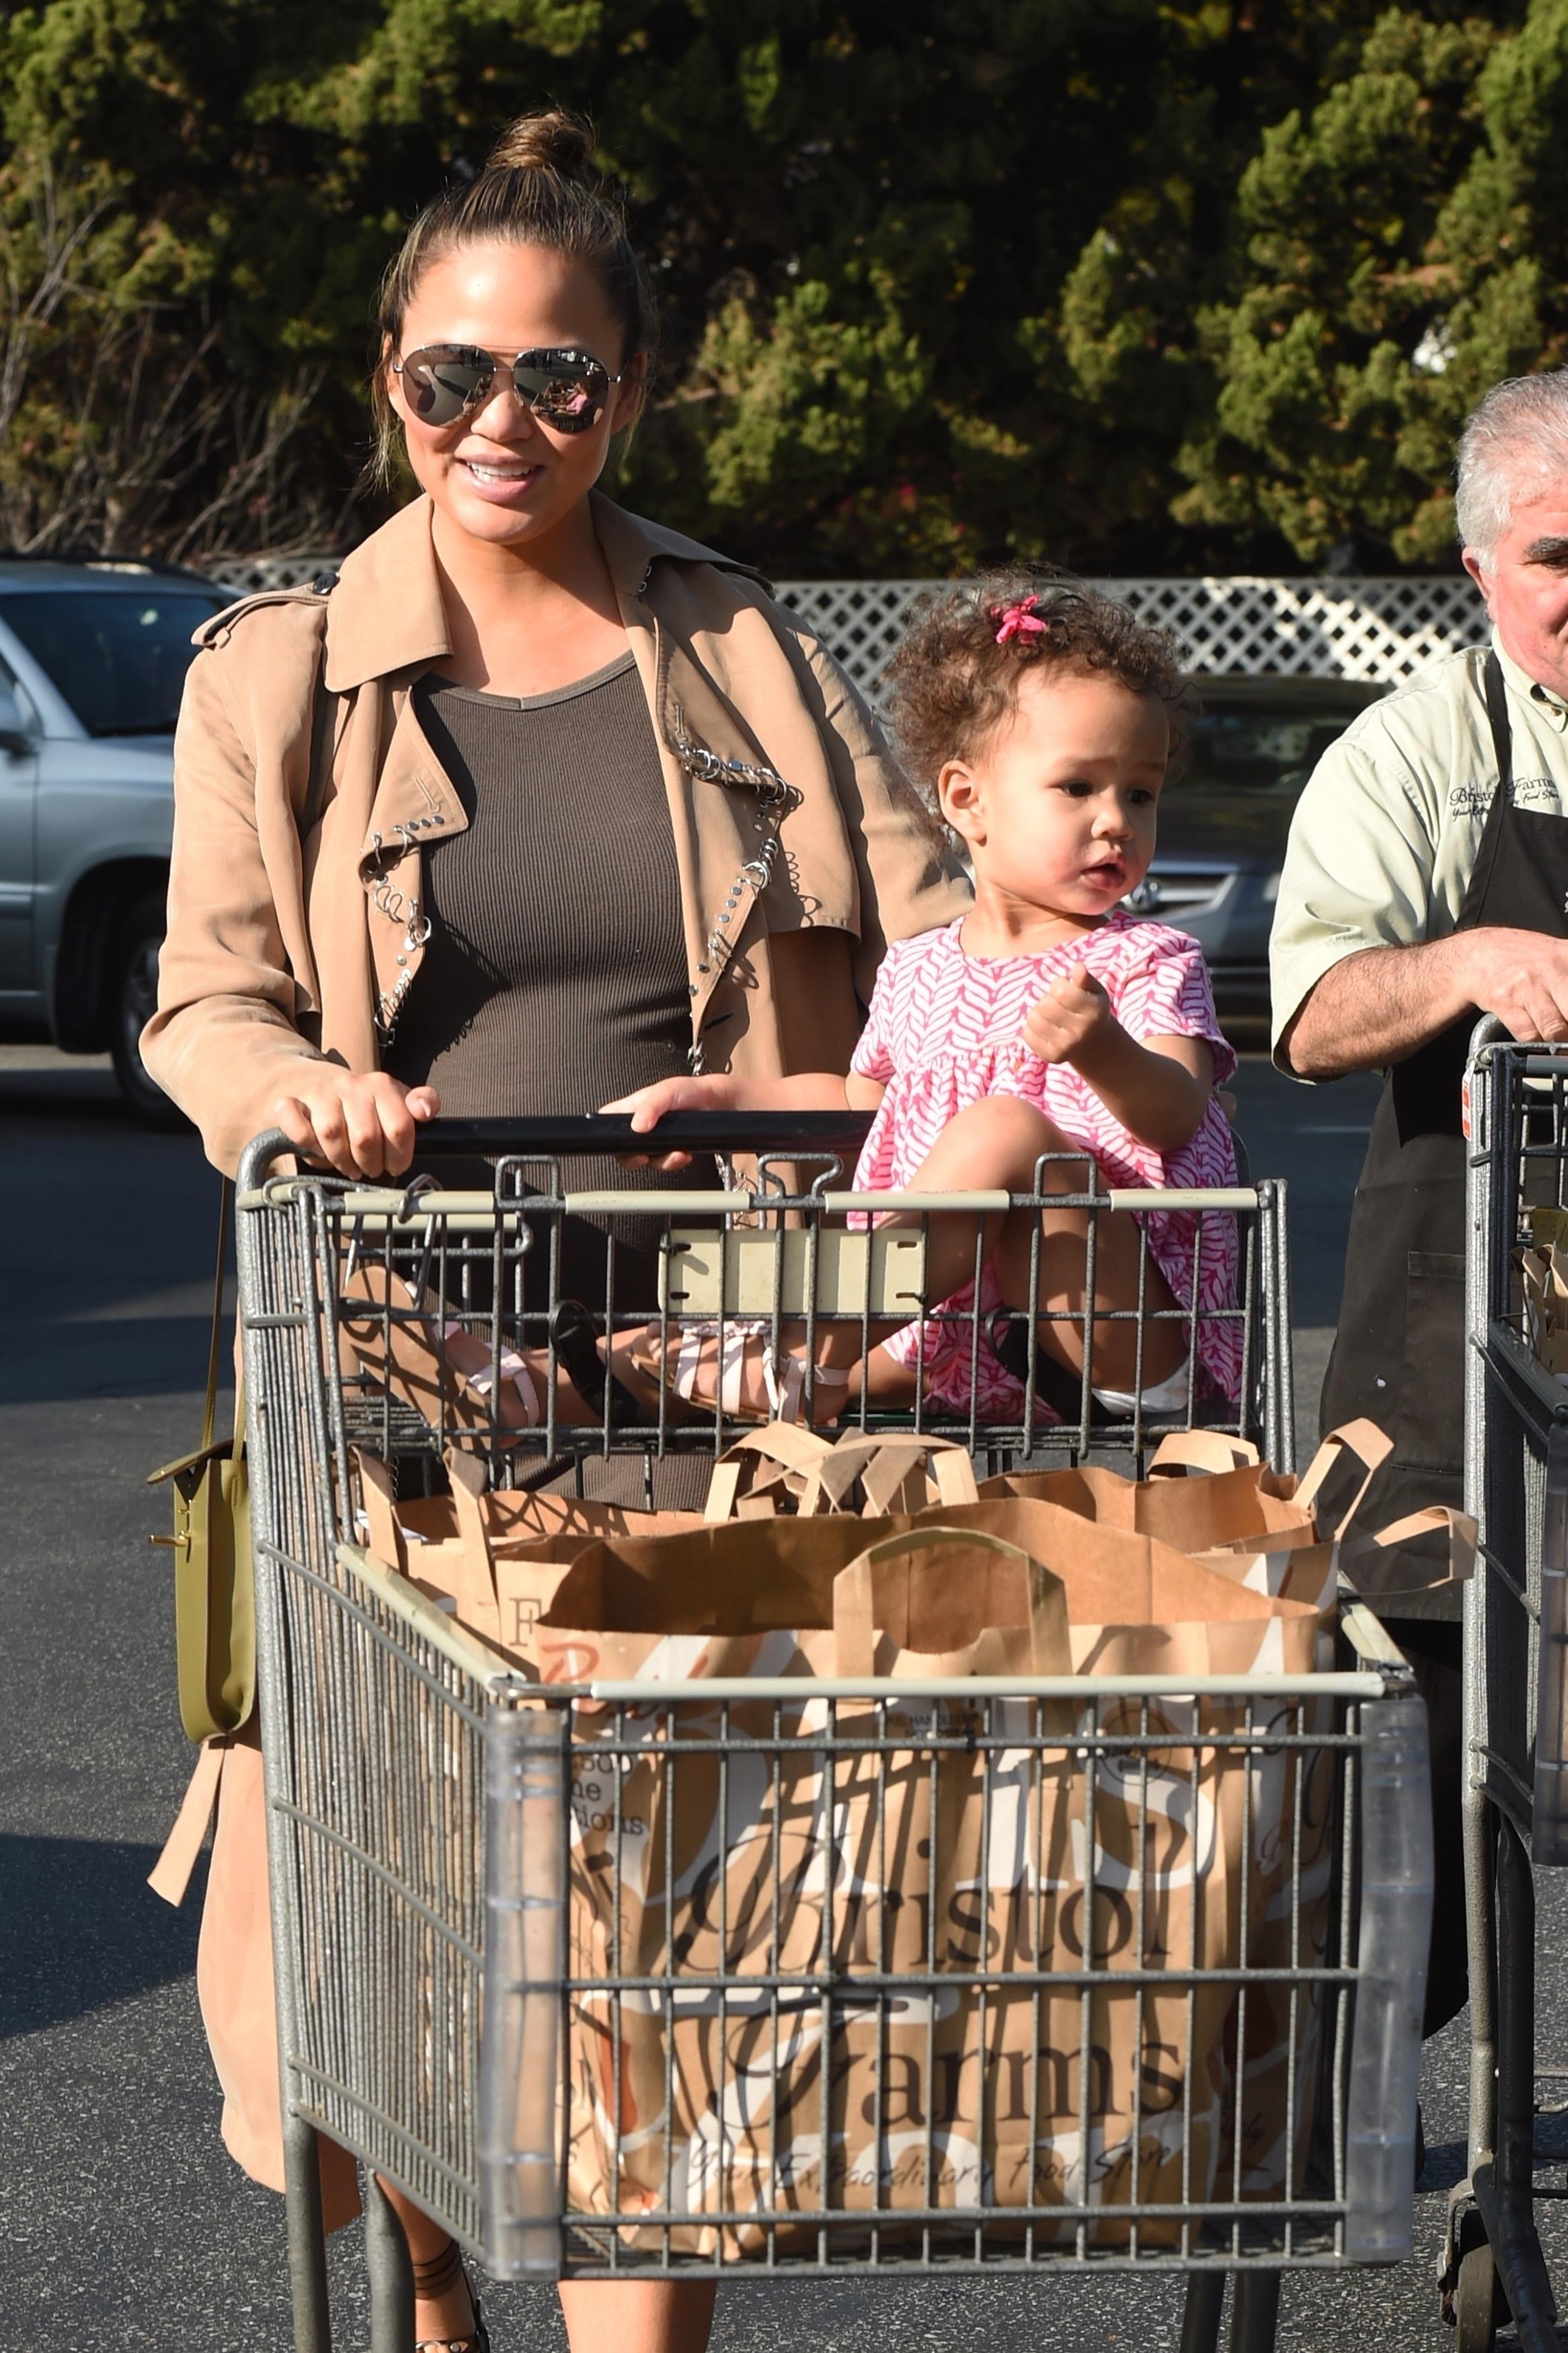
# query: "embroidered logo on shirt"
[[1475, 800]]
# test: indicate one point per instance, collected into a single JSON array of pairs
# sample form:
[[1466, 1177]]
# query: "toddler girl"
[[1048, 1019]]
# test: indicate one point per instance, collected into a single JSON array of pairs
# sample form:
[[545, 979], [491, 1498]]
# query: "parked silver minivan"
[[93, 655]]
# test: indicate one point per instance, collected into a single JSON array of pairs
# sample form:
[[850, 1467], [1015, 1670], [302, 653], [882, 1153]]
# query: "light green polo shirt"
[[1384, 837]]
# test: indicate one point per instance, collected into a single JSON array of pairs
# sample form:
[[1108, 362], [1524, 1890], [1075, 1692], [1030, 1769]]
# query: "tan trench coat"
[[281, 950], [284, 949]]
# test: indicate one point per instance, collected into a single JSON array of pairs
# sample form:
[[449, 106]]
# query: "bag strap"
[[1378, 1580], [215, 1343], [883, 1461], [1201, 1450], [794, 1450], [855, 1610], [1370, 1446]]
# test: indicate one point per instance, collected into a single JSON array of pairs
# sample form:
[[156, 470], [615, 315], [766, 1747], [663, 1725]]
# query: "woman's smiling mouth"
[[500, 479]]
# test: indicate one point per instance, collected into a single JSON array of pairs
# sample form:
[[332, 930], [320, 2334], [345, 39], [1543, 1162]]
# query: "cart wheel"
[[1475, 2314]]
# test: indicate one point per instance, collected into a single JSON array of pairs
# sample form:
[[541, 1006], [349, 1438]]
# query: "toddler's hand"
[[1071, 1019], [649, 1105]]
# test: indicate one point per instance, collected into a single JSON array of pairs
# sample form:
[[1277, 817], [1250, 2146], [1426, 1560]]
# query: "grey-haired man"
[[1426, 882]]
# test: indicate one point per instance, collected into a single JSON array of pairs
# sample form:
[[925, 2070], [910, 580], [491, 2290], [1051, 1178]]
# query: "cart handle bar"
[[649, 1693], [598, 1132]]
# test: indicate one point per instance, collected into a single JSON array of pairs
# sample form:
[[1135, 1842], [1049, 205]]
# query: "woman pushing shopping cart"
[[535, 810]]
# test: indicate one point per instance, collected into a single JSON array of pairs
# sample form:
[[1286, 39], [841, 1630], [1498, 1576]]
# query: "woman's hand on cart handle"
[[360, 1124], [647, 1105]]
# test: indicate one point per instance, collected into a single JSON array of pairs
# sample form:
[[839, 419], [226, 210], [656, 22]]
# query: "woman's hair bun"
[[550, 140]]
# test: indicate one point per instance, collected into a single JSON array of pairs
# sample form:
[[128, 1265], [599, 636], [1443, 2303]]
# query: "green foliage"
[[1402, 246], [1127, 283]]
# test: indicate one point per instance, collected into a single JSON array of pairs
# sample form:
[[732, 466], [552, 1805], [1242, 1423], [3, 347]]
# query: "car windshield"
[[119, 660], [1261, 748]]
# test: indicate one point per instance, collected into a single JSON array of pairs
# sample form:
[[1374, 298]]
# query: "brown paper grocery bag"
[[743, 1869], [496, 1555], [766, 1471], [1204, 1634], [892, 1472], [1273, 1535], [1136, 1605], [904, 1851], [939, 1600], [1237, 1502], [1543, 1274]]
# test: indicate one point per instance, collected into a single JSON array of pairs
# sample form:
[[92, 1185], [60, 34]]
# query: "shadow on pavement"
[[79, 1928]]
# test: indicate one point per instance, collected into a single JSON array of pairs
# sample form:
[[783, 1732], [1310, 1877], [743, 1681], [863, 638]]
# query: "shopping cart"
[[433, 1997], [1515, 1654]]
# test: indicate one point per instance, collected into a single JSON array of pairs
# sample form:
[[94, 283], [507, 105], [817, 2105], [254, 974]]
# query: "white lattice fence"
[[1379, 630]]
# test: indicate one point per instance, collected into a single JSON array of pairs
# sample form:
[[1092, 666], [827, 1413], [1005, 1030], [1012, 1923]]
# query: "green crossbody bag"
[[214, 1598]]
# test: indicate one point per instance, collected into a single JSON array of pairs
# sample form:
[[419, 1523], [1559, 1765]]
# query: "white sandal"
[[412, 1356], [739, 1345]]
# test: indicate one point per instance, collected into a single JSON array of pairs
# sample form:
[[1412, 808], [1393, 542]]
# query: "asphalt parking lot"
[[124, 2223]]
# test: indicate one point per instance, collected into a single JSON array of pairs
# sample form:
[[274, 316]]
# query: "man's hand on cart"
[[360, 1124]]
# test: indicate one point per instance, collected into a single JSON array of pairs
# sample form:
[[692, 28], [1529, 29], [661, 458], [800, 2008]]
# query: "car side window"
[[119, 659], [26, 709]]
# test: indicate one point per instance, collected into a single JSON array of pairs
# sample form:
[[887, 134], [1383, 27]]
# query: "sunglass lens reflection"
[[441, 388], [570, 398]]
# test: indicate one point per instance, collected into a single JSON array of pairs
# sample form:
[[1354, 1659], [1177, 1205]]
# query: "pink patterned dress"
[[946, 1029]]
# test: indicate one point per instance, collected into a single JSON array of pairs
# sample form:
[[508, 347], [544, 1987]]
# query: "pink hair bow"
[[1019, 620]]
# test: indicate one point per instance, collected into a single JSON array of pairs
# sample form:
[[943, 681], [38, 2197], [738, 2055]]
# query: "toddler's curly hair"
[[955, 677]]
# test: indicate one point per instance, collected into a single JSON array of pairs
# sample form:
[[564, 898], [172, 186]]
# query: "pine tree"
[[1401, 247], [1133, 284]]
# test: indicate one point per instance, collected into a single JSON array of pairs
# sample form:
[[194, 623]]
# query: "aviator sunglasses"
[[564, 388]]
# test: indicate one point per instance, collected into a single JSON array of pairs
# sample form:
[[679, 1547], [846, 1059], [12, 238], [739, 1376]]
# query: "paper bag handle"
[[854, 1627], [1461, 1533], [466, 1474], [883, 1461], [1370, 1448], [1201, 1450], [789, 1444], [388, 1540]]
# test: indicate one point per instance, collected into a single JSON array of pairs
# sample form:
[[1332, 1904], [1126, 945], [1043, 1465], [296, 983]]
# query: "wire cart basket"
[[459, 1989], [1515, 1663]]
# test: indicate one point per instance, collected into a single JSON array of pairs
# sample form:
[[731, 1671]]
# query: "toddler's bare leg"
[[997, 1145]]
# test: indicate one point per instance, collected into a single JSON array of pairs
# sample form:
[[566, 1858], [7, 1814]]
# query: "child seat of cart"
[[774, 1237]]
